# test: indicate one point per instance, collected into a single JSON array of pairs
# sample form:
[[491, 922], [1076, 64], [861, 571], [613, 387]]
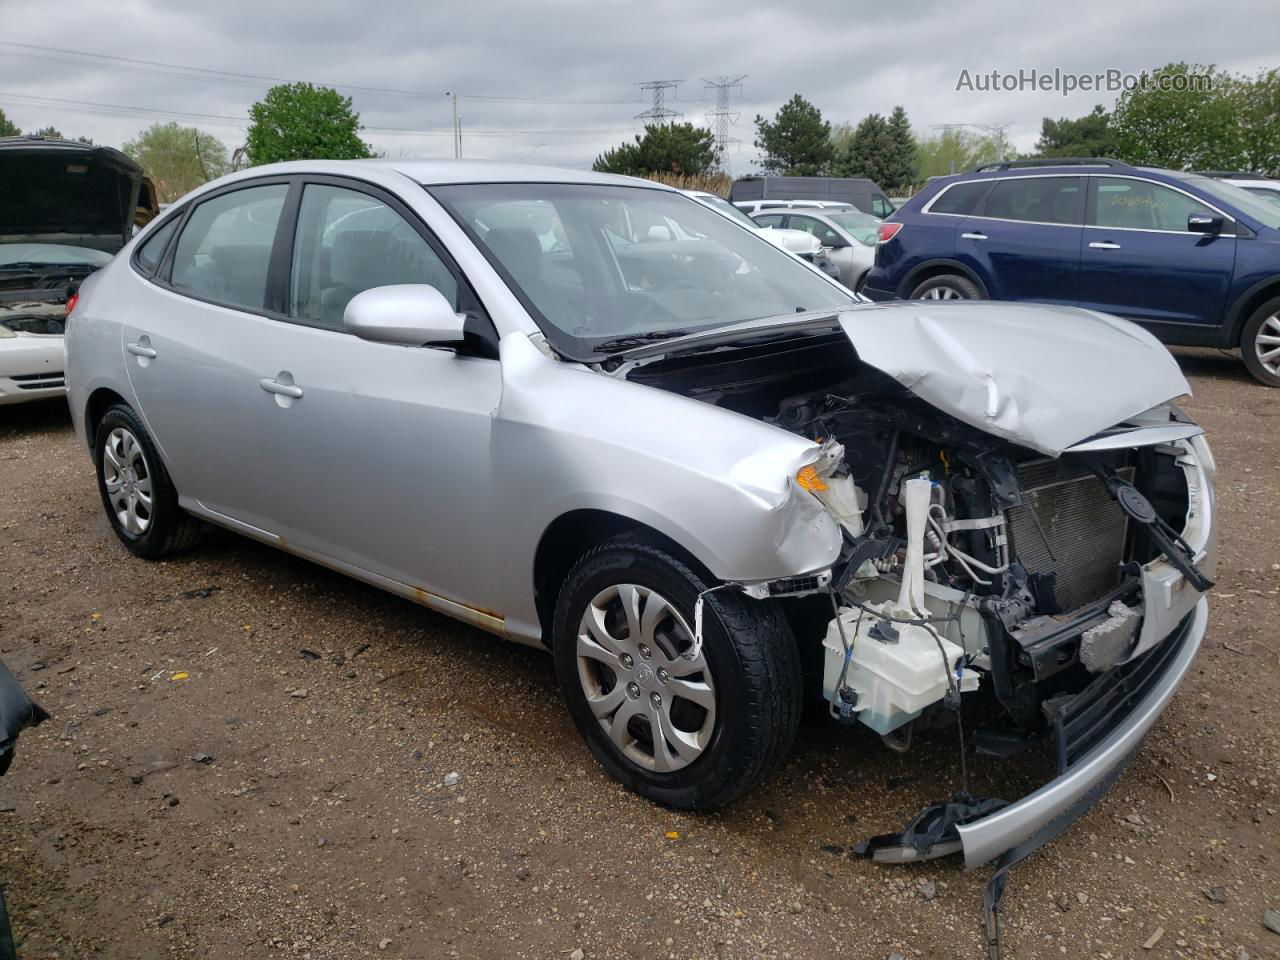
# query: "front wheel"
[[947, 286], [688, 729], [1260, 343]]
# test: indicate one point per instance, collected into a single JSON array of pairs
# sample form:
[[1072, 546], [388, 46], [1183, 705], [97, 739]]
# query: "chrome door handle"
[[284, 389], [974, 236], [141, 350], [1104, 245]]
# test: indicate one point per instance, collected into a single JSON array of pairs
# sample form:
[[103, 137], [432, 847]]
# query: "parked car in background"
[[518, 396], [1195, 260], [65, 209], [862, 193], [1254, 183], [802, 243], [849, 237], [752, 207]]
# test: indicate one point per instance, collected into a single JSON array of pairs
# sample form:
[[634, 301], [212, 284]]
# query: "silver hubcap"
[[657, 707], [128, 481], [1267, 344], [941, 293]]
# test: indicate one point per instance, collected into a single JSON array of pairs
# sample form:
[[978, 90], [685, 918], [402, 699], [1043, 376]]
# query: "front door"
[[379, 454], [1141, 262]]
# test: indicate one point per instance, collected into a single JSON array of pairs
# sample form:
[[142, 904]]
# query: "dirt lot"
[[331, 713]]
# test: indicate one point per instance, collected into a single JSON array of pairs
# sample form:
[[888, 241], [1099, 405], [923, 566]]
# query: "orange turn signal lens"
[[808, 478]]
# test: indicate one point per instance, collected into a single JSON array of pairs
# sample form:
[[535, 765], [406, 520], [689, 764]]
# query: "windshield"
[[59, 254], [861, 226], [721, 205], [1267, 214], [1266, 193], [595, 263]]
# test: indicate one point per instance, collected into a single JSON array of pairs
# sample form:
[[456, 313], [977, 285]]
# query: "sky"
[[558, 82]]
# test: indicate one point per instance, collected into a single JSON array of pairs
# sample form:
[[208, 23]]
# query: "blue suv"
[[1194, 260]]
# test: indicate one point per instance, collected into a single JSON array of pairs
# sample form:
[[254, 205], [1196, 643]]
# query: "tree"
[[298, 121], [955, 150], [1089, 136], [1185, 117], [797, 141], [675, 148], [178, 158], [876, 149], [902, 172], [7, 127], [1259, 104], [49, 133]]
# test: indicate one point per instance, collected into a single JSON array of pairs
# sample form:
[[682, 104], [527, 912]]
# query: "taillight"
[[887, 231], [71, 302]]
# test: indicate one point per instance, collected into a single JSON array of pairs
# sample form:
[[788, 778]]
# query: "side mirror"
[[1204, 223], [411, 314], [657, 232]]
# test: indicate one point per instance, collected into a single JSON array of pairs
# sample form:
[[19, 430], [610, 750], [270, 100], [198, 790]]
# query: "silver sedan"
[[589, 414]]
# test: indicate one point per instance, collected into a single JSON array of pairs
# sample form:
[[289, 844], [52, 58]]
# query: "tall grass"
[[710, 182]]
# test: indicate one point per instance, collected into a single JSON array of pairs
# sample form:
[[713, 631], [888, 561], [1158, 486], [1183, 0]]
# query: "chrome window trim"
[[927, 209]]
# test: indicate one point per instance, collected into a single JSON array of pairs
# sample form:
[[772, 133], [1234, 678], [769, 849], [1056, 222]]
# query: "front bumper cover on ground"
[[1109, 719]]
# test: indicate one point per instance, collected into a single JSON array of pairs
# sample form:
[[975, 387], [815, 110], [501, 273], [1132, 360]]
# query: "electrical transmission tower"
[[722, 117], [658, 113]]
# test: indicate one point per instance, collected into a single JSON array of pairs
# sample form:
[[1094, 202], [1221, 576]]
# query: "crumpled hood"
[[1045, 377]]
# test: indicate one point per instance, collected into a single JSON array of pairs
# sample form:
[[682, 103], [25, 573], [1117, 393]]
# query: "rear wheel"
[[1260, 343], [141, 503], [946, 286], [691, 729]]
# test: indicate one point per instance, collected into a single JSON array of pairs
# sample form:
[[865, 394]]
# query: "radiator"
[[1080, 534]]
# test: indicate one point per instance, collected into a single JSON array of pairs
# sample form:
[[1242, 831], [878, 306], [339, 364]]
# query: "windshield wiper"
[[27, 265], [636, 339]]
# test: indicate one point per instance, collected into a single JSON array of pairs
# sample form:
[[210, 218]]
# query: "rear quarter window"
[[960, 199]]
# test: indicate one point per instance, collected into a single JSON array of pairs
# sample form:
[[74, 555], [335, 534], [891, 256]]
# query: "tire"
[[1264, 323], [946, 286], [749, 661], [7, 949], [129, 472]]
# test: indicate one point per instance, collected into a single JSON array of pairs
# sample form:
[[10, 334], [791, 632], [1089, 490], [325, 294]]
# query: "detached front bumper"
[[30, 368], [1121, 708]]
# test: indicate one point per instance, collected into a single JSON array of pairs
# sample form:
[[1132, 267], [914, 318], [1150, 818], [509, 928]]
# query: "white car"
[[804, 245], [73, 207], [1255, 184], [847, 236]]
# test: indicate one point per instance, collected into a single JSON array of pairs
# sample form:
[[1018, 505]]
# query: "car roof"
[[437, 172]]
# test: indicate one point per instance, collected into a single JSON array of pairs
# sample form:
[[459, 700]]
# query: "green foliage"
[[298, 121], [49, 133], [7, 127], [797, 141], [1089, 136], [879, 149], [1259, 105], [1191, 128], [178, 158], [674, 148], [955, 150]]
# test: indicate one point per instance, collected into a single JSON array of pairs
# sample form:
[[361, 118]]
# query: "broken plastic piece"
[[931, 832]]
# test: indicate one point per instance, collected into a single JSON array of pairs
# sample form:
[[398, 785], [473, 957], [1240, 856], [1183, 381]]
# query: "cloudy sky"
[[558, 81]]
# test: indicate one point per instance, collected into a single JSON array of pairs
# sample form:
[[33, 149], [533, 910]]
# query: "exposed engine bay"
[[971, 564], [26, 314]]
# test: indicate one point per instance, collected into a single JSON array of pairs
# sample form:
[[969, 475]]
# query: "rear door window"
[[1037, 200], [825, 234], [769, 220], [224, 251], [1143, 205]]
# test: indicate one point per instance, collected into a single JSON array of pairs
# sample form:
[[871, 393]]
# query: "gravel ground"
[[248, 756]]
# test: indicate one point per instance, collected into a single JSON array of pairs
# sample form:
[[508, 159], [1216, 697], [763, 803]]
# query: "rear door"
[[1141, 262], [191, 346], [1024, 241]]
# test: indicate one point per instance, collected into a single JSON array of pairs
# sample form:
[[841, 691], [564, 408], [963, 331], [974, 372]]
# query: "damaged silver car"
[[708, 478]]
